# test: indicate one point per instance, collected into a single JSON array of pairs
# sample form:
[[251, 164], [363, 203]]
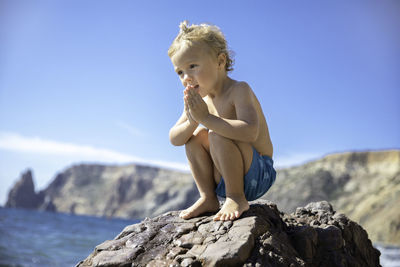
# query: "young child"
[[222, 126]]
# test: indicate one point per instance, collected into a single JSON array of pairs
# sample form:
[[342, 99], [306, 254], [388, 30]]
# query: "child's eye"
[[193, 66], [179, 73]]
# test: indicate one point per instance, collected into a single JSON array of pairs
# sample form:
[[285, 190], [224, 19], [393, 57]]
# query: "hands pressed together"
[[195, 107]]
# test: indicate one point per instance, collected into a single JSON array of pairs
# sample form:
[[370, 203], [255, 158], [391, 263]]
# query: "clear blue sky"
[[90, 81]]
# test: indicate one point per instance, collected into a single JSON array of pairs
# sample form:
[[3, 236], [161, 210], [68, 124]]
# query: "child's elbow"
[[253, 139], [253, 133], [174, 139], [176, 142]]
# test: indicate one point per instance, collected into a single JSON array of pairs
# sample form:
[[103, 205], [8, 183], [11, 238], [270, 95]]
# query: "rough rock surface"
[[312, 236]]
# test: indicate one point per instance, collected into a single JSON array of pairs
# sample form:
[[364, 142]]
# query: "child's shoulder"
[[240, 84], [241, 89]]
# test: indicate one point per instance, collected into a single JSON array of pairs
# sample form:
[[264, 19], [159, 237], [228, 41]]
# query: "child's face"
[[196, 66]]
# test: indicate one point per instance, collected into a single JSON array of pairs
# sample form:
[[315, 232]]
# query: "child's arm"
[[181, 132], [244, 128]]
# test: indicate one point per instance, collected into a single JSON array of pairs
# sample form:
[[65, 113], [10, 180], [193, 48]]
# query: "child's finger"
[[197, 98], [190, 102], [186, 93], [192, 98], [191, 91]]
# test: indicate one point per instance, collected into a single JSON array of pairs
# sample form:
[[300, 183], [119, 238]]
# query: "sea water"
[[390, 255], [33, 238]]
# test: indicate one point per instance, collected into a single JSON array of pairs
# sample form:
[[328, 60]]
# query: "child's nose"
[[187, 78]]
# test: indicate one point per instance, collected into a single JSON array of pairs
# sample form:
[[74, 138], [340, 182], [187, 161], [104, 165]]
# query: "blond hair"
[[210, 35]]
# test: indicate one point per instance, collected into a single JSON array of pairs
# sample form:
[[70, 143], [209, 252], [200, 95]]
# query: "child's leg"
[[233, 160], [198, 154]]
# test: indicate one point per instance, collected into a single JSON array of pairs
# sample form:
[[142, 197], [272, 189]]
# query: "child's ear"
[[222, 60]]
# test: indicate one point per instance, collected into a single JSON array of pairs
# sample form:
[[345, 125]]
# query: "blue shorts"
[[257, 180]]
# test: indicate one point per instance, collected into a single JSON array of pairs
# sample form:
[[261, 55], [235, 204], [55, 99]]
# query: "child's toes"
[[184, 214], [221, 217], [237, 214], [217, 217]]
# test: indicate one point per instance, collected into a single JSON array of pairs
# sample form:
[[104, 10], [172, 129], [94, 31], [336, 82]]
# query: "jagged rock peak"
[[312, 236], [23, 194]]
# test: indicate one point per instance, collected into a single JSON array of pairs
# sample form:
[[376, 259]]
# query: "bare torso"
[[223, 106]]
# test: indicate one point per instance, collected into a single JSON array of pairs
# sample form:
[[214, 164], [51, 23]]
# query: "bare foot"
[[232, 208], [202, 205]]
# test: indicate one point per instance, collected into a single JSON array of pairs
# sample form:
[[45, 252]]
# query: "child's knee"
[[197, 140], [192, 143], [216, 139]]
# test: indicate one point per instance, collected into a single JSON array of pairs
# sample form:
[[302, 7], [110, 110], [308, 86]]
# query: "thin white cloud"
[[18, 143], [129, 128]]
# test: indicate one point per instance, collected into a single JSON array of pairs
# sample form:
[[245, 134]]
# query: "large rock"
[[312, 236]]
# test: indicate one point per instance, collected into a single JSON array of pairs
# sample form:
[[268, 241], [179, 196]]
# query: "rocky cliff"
[[130, 191], [363, 185], [312, 236]]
